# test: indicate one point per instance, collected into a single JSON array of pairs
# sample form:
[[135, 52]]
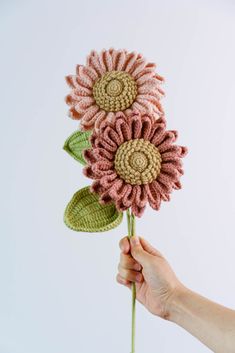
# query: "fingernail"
[[139, 277], [134, 240]]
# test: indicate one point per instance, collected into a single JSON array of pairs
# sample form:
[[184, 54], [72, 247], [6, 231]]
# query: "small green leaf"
[[84, 213], [77, 143]]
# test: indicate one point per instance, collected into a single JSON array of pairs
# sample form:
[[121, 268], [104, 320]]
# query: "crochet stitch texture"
[[112, 81], [133, 160]]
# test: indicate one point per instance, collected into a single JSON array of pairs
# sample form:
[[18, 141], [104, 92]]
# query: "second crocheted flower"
[[112, 81], [133, 160]]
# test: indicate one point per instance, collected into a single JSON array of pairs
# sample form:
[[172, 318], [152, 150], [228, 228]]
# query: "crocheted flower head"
[[113, 81], [133, 161]]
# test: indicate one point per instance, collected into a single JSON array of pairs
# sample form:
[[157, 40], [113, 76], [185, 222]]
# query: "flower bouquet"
[[122, 142]]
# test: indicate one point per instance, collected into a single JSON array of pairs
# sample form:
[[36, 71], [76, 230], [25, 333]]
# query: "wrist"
[[175, 303]]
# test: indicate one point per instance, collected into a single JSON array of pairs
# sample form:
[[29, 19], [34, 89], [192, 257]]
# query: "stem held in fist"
[[131, 233]]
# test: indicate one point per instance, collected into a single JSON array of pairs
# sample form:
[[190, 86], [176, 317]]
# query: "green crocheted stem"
[[131, 233]]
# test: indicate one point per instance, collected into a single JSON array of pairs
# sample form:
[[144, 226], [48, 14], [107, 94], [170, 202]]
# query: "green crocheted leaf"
[[76, 144], [84, 213]]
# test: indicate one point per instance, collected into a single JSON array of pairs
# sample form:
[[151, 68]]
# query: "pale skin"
[[161, 292]]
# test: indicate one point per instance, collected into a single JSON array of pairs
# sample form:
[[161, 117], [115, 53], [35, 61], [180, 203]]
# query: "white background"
[[58, 289]]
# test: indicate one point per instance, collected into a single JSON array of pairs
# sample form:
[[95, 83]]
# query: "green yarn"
[[131, 233], [76, 144], [84, 213]]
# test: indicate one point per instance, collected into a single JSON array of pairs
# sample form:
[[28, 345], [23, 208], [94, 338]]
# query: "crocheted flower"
[[112, 81], [133, 160]]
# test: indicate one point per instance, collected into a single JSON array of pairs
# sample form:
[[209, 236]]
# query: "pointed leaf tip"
[[77, 143]]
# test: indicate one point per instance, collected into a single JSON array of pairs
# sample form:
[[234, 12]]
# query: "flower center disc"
[[138, 162], [115, 91], [114, 88]]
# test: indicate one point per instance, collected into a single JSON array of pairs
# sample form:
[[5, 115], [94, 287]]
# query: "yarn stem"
[[131, 233]]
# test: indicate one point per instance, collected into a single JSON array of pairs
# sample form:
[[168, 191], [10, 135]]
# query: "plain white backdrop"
[[58, 290]]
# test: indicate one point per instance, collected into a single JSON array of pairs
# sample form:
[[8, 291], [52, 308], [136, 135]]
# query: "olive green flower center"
[[115, 91], [138, 162]]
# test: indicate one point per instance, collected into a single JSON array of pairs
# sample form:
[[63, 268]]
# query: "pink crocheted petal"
[[129, 197], [143, 77], [155, 205], [158, 134], [108, 180], [111, 136], [146, 127], [145, 74], [151, 66], [169, 138], [154, 197], [166, 181], [145, 89], [102, 143], [102, 57], [161, 92], [105, 198], [82, 92], [148, 92], [84, 104], [154, 101], [135, 124], [138, 67], [90, 115], [123, 190], [74, 114], [147, 79], [147, 106], [101, 153], [89, 124], [142, 69], [183, 152], [89, 156], [91, 73], [94, 62], [141, 196], [159, 78], [120, 206], [108, 134], [177, 185], [116, 188], [153, 193], [139, 107], [72, 99], [130, 61], [96, 187], [71, 81], [170, 173], [107, 60], [88, 172], [102, 167], [83, 80], [119, 59], [161, 189], [96, 119], [177, 164], [123, 129], [137, 211], [175, 151], [86, 78]]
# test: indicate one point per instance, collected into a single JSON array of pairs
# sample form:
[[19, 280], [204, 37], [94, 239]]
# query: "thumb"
[[137, 251]]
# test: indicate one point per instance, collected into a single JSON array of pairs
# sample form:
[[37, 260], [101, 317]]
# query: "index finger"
[[124, 245]]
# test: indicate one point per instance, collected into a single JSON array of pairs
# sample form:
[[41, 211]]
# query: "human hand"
[[156, 282]]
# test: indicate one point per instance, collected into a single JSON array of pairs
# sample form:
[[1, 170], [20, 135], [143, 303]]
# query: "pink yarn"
[[83, 106], [100, 159]]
